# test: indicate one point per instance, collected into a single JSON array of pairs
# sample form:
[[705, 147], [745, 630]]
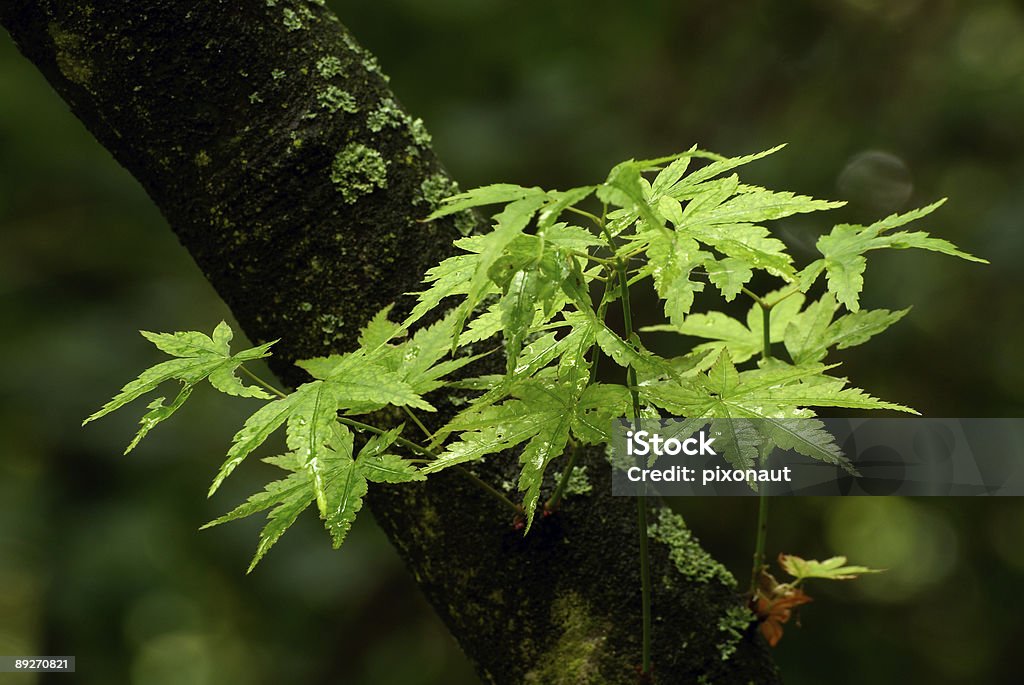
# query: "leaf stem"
[[762, 499], [627, 315], [766, 313], [752, 295], [365, 427], [645, 584], [759, 544], [556, 496], [641, 501], [582, 212], [416, 420], [793, 291], [259, 381], [594, 258], [482, 484], [490, 489]]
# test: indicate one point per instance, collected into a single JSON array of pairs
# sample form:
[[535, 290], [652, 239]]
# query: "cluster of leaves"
[[543, 278], [775, 602]]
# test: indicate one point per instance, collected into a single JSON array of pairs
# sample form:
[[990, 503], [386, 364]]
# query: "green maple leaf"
[[197, 357], [380, 466], [671, 258], [685, 186], [624, 353], [345, 486], [670, 174], [310, 423], [625, 187], [449, 278], [777, 394], [363, 382], [858, 327], [843, 251], [543, 412], [497, 193], [737, 440], [726, 215], [509, 224], [748, 243], [536, 356], [416, 361], [811, 333], [806, 336], [351, 382], [828, 391], [729, 275], [379, 330], [742, 340], [566, 236], [597, 407], [285, 498], [834, 568], [552, 414], [559, 202], [517, 312], [158, 411], [322, 470], [752, 204]]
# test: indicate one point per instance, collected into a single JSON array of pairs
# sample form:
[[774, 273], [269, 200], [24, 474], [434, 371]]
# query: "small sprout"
[[775, 602]]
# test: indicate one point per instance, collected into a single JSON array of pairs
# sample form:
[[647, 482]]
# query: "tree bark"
[[272, 144]]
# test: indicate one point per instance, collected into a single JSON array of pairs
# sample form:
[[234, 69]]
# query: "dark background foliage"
[[886, 103]]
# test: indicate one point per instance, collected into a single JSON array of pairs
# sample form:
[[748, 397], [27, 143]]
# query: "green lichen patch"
[[685, 552], [420, 135], [203, 158], [370, 63], [291, 20], [334, 99], [329, 67], [575, 658], [435, 188], [358, 170], [70, 55], [387, 115], [733, 623], [367, 59]]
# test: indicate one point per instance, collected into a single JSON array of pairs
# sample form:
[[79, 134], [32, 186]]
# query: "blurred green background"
[[887, 103]]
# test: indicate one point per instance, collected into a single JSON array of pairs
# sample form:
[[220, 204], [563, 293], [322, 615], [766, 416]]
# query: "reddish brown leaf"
[[777, 610]]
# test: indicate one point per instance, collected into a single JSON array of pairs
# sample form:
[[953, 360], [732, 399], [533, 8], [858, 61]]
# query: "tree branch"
[[272, 144]]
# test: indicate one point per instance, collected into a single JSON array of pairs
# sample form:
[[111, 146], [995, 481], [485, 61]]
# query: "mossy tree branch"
[[272, 144]]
